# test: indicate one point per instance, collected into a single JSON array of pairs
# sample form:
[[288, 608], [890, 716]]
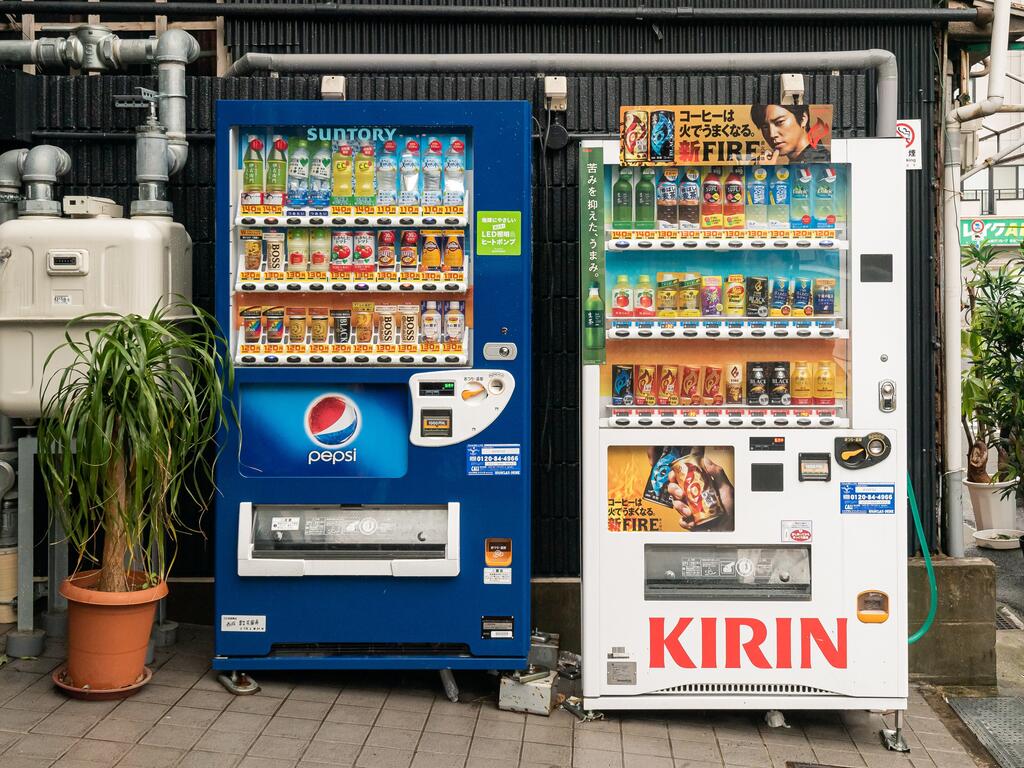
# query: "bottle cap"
[[256, 144], [280, 145]]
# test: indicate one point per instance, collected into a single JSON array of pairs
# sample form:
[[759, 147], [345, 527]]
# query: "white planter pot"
[[990, 509]]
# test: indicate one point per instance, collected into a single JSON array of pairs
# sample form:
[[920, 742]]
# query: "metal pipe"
[[953, 458], [174, 50], [990, 161], [490, 13], [10, 188], [48, 52], [7, 441], [39, 171], [884, 62], [95, 48]]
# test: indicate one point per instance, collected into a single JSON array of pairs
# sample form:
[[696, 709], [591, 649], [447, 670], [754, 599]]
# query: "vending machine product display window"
[[352, 245], [373, 278], [743, 440]]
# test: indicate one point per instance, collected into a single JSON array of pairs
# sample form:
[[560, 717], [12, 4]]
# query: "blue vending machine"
[[373, 273]]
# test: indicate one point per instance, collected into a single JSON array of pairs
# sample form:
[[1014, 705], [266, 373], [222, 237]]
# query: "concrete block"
[[959, 649], [967, 589]]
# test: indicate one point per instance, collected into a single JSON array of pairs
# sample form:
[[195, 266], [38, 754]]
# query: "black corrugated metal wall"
[[104, 166]]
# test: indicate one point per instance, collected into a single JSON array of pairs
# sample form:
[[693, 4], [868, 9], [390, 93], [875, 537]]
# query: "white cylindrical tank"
[[53, 270]]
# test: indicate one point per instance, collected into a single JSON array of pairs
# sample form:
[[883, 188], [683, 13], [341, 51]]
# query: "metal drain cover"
[[996, 722]]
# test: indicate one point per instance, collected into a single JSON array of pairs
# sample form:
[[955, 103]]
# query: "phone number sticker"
[[867, 498], [493, 459]]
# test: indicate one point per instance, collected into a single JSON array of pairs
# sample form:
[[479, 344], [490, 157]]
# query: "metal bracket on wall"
[[332, 87]]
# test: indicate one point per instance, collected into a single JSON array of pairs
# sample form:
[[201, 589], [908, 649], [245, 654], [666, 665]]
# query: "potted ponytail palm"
[[126, 430]]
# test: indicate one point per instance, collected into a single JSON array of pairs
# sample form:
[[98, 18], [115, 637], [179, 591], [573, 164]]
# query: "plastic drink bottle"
[[277, 167], [432, 163], [431, 322], [824, 198], [779, 181], [593, 318], [342, 168], [622, 297], [689, 199], [320, 176], [455, 173], [757, 197], [252, 167], [298, 173], [711, 216], [409, 171], [645, 200], [732, 210], [364, 173], [622, 200], [387, 175], [800, 211], [454, 322], [668, 199], [643, 297], [319, 249]]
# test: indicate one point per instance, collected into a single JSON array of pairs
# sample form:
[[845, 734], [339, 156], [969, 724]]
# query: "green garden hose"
[[933, 589]]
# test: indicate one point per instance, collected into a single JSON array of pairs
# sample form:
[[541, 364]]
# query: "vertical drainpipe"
[[954, 456]]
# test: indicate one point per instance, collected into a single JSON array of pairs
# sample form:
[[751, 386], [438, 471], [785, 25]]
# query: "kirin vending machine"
[[744, 386], [373, 273]]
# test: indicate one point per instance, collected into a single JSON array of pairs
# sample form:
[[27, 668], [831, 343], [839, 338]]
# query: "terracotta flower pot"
[[108, 631]]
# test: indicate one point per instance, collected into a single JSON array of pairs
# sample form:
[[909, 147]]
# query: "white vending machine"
[[744, 430]]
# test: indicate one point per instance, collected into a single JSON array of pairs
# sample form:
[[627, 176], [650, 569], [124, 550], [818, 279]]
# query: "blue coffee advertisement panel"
[[312, 430]]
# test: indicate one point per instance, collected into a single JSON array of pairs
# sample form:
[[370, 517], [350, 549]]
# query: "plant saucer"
[[59, 679]]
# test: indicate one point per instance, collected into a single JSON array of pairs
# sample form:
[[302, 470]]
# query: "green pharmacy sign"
[[994, 230]]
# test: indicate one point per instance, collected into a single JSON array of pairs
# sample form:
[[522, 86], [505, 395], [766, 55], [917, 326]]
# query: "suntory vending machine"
[[744, 395], [373, 276]]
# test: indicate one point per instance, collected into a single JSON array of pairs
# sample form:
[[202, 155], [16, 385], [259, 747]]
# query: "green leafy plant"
[[993, 383], [127, 429]]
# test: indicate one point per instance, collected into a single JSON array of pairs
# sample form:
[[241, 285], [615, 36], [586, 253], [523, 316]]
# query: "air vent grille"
[[762, 689]]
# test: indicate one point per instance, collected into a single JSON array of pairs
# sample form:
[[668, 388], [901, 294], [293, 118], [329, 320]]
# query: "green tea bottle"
[[622, 200], [252, 167], [645, 200], [593, 319]]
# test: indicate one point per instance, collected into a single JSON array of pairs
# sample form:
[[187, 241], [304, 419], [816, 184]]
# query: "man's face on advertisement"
[[783, 131]]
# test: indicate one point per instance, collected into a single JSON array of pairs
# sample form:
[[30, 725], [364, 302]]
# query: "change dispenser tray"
[[303, 540]]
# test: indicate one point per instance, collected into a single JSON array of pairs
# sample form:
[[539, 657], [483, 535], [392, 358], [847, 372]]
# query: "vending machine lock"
[[887, 396], [855, 452]]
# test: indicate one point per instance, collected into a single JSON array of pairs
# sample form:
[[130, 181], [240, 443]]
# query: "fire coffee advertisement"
[[671, 488], [737, 134]]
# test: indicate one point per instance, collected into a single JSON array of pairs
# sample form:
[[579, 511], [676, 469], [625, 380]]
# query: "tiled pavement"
[[397, 720]]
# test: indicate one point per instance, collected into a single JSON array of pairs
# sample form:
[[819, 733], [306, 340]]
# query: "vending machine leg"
[[893, 739], [239, 683], [451, 688]]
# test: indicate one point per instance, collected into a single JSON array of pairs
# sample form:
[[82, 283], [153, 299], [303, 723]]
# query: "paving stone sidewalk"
[[396, 720]]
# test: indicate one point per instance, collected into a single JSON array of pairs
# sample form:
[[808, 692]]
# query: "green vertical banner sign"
[[592, 254]]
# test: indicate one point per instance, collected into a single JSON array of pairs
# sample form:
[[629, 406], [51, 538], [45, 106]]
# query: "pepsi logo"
[[332, 420]]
